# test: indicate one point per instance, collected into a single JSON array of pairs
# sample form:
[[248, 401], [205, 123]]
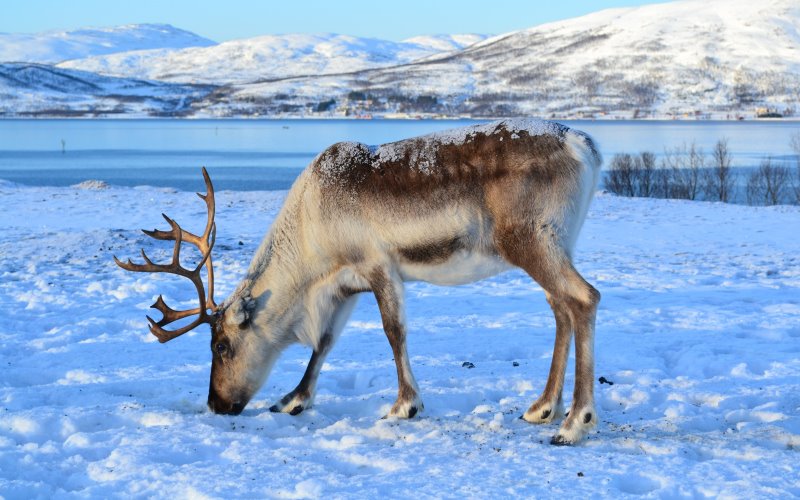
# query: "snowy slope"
[[698, 331], [446, 43], [271, 56], [671, 59], [57, 46], [682, 59], [29, 89]]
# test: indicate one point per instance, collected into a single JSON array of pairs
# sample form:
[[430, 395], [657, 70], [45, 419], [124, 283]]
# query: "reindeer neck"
[[280, 277]]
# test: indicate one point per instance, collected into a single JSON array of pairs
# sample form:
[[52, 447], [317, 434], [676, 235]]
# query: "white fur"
[[573, 429], [315, 250], [589, 176], [461, 268], [535, 416]]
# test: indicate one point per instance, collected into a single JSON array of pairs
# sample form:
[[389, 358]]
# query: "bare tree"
[[744, 92], [697, 163], [588, 81], [794, 143], [633, 175], [719, 180], [767, 185], [644, 172], [662, 180], [684, 164], [620, 176], [643, 93]]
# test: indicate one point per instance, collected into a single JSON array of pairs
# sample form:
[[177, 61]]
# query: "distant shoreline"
[[790, 119]]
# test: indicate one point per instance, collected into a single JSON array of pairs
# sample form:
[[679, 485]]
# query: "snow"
[[447, 43], [422, 152], [532, 126], [57, 46], [270, 57], [718, 59], [667, 60], [38, 88], [697, 330]]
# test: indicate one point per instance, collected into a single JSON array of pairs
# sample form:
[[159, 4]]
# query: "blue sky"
[[223, 20]]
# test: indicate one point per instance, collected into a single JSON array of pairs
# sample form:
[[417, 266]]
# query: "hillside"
[[29, 89], [684, 59], [269, 57], [56, 46], [708, 57]]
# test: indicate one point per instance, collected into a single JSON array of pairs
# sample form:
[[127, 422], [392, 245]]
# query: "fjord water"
[[269, 154]]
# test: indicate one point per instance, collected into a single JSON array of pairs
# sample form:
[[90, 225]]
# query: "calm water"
[[268, 154]]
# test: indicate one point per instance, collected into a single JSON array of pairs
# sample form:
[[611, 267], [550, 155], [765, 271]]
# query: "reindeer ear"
[[249, 304], [241, 310]]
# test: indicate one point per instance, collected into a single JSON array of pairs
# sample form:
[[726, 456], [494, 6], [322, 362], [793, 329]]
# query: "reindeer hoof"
[[543, 413], [406, 410], [293, 403], [294, 411], [575, 427]]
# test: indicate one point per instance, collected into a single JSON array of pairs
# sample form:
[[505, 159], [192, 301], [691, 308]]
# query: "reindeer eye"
[[221, 348]]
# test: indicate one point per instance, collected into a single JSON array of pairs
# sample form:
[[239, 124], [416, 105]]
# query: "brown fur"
[[454, 170], [435, 251], [389, 306], [440, 208]]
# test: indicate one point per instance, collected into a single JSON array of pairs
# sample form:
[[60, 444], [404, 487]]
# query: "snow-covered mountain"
[[31, 89], [717, 58], [270, 57], [56, 46], [693, 56]]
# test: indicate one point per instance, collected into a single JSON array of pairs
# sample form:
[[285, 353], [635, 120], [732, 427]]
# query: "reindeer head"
[[239, 361], [241, 358]]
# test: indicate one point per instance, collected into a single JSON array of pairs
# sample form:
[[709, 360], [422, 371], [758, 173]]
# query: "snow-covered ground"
[[699, 331]]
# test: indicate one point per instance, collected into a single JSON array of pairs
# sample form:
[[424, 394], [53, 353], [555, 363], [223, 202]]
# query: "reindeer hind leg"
[[574, 302], [388, 289], [549, 406]]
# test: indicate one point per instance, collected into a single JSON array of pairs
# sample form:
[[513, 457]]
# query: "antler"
[[205, 243]]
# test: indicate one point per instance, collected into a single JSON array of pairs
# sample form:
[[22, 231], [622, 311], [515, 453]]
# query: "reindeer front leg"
[[302, 396], [388, 289]]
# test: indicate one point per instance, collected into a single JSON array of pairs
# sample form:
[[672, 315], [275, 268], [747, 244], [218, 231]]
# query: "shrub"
[[767, 185], [644, 173], [794, 142], [719, 181], [620, 175], [684, 165]]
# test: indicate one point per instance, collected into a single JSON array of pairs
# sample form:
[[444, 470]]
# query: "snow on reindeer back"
[[336, 161], [421, 152], [532, 126]]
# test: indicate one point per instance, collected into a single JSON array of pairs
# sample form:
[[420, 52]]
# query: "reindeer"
[[447, 208]]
